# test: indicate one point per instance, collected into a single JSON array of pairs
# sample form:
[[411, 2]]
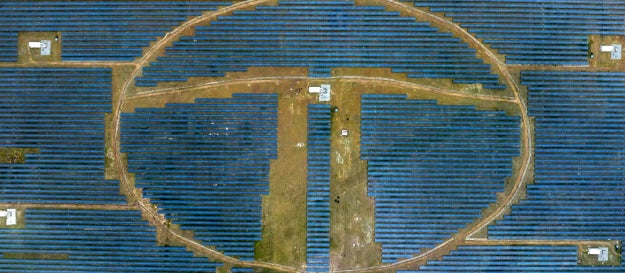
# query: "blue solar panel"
[[529, 32], [94, 241], [96, 31], [518, 258], [318, 189], [579, 179], [206, 165], [320, 37], [59, 111], [433, 170]]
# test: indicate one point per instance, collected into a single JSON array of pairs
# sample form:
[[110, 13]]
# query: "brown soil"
[[352, 223], [284, 209], [34, 256]]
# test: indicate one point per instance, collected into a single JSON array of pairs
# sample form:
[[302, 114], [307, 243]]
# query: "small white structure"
[[344, 132], [326, 92], [323, 91], [34, 44], [614, 50], [602, 253], [43, 45], [314, 90], [11, 215]]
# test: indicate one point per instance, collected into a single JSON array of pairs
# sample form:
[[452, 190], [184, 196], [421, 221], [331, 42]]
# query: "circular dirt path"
[[519, 178]]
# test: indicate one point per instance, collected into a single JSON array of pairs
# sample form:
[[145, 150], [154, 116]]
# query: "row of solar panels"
[[206, 164], [140, 29], [555, 32], [588, 88], [318, 189], [91, 241], [551, 32], [578, 189], [517, 258], [420, 199], [344, 35], [96, 31], [60, 113]]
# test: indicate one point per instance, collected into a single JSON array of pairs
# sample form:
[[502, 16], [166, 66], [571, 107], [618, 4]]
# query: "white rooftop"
[[614, 50], [314, 89], [325, 92], [602, 253], [11, 215]]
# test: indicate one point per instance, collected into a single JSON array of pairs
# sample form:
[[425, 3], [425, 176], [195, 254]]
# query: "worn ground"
[[15, 155], [28, 55], [284, 209], [614, 257], [352, 223]]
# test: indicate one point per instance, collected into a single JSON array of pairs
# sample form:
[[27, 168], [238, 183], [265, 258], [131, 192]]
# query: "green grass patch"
[[15, 155]]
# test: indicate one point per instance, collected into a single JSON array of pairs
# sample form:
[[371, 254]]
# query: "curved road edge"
[[519, 183]]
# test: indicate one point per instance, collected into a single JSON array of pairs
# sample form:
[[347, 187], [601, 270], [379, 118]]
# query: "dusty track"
[[359, 79]]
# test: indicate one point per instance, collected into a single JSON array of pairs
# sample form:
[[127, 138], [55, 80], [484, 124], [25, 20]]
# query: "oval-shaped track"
[[519, 178]]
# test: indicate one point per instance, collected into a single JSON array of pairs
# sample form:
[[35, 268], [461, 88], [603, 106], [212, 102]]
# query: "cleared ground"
[[284, 210], [32, 55]]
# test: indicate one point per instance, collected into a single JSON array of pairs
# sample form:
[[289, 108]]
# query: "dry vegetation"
[[15, 155], [352, 229], [284, 209]]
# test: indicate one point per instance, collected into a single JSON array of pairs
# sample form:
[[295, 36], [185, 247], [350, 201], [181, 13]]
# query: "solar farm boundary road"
[[359, 79], [520, 178]]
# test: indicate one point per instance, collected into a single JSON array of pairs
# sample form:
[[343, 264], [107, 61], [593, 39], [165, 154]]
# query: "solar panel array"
[[579, 180], [318, 189], [521, 259], [95, 31], [319, 35], [206, 165], [433, 170], [59, 111], [93, 241], [546, 32]]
